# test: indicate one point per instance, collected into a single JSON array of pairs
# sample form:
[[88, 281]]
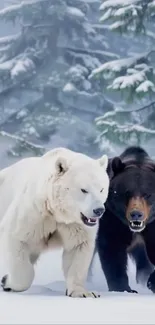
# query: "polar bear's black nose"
[[98, 212]]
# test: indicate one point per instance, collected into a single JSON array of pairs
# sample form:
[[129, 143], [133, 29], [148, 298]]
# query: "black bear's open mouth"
[[89, 221], [136, 225]]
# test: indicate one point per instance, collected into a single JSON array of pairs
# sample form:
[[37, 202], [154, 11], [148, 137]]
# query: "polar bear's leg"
[[34, 258], [75, 265], [90, 271], [20, 270]]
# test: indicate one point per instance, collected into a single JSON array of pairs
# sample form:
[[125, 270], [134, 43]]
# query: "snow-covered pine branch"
[[123, 133], [126, 15], [126, 127], [21, 145], [15, 11], [135, 83], [41, 23], [46, 65], [133, 76]]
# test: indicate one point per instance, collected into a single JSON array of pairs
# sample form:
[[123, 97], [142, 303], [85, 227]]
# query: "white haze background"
[[45, 301]]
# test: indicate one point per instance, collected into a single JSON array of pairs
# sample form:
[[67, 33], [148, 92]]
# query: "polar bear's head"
[[79, 189]]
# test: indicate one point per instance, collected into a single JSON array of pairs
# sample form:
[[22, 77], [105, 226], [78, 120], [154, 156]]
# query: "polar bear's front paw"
[[81, 293], [4, 283]]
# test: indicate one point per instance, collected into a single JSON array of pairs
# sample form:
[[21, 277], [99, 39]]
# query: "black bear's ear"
[[117, 165]]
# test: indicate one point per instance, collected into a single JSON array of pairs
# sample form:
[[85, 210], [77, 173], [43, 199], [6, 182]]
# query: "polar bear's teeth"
[[88, 221]]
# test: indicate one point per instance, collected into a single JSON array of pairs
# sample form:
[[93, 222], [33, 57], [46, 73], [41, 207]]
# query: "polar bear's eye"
[[83, 190], [102, 190]]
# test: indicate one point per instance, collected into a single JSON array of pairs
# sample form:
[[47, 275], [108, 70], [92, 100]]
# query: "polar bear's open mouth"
[[89, 221]]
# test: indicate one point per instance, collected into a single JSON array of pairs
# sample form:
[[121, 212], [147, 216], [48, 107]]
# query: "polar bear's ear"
[[103, 161], [61, 165]]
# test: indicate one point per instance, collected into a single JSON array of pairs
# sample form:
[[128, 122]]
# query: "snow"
[[116, 25], [22, 66], [15, 8], [75, 72], [69, 87], [128, 10], [116, 3], [107, 15], [136, 74], [7, 65], [145, 86], [8, 39], [142, 129], [75, 12], [9, 9], [20, 5], [123, 129], [127, 81], [115, 65], [136, 79], [46, 303], [151, 5], [120, 12]]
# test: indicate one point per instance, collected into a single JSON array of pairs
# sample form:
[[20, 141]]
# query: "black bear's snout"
[[98, 212], [136, 215]]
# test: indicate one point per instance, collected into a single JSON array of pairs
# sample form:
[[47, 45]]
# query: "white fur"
[[41, 196]]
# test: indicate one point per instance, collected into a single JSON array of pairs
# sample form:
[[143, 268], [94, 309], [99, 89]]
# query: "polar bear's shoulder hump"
[[60, 152]]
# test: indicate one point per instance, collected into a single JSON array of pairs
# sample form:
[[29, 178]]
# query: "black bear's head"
[[132, 192]]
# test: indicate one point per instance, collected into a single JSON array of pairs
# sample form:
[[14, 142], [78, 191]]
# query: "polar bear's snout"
[[96, 215], [99, 212]]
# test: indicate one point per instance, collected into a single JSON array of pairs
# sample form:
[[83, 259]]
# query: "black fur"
[[3, 284], [138, 153], [131, 174]]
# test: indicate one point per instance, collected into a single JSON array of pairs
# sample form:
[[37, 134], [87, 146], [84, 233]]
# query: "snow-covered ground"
[[45, 302]]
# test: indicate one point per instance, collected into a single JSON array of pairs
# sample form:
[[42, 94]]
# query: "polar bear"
[[51, 201]]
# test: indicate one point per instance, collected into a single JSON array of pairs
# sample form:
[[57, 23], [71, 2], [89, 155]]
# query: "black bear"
[[128, 224]]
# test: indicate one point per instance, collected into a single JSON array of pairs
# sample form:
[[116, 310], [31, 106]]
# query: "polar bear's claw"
[[82, 294], [3, 283], [96, 295]]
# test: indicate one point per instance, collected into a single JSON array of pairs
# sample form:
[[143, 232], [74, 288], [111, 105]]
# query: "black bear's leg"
[[112, 242], [114, 264], [149, 237], [143, 265], [151, 282]]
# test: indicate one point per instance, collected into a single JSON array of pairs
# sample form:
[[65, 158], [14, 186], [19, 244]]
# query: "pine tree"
[[133, 74], [44, 70]]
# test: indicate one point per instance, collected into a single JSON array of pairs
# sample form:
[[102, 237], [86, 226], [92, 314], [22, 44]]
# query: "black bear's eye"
[[83, 191], [147, 196]]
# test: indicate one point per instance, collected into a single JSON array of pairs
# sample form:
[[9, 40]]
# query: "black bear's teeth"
[[137, 224]]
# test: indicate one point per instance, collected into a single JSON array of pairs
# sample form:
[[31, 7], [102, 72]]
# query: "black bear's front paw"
[[131, 291], [151, 282], [4, 283], [123, 289]]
